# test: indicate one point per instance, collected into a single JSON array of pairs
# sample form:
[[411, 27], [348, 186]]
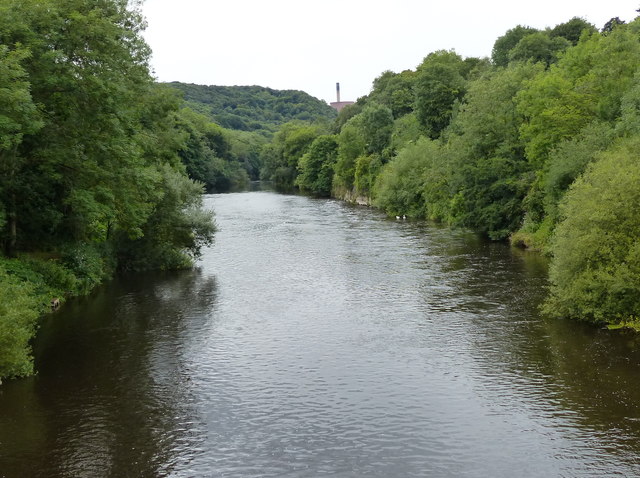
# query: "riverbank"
[[34, 285], [28, 288]]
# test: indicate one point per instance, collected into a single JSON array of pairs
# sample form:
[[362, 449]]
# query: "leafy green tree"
[[504, 44], [572, 30], [588, 83], [246, 147], [595, 272], [18, 117], [363, 147], [347, 113], [395, 91], [439, 85], [415, 183], [539, 47], [254, 108], [406, 130], [570, 159], [628, 123], [88, 68], [376, 126], [281, 157], [176, 230], [351, 145], [367, 169], [316, 166], [17, 326], [207, 154], [490, 176]]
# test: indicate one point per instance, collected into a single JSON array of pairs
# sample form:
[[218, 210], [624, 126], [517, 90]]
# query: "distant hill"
[[253, 108]]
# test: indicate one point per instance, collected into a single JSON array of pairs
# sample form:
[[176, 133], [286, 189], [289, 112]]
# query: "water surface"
[[320, 339]]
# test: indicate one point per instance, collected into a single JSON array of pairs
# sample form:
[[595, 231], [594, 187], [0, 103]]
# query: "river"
[[321, 339]]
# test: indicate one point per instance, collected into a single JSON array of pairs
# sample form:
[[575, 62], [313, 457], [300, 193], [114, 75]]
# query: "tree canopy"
[[91, 177]]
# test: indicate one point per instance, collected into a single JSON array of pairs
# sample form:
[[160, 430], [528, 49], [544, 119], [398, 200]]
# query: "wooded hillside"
[[253, 108]]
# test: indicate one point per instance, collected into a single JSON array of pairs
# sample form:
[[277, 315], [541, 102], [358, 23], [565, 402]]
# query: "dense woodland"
[[254, 108], [103, 170]]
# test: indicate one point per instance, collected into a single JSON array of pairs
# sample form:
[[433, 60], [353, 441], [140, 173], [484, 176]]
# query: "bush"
[[595, 271], [21, 303], [414, 183]]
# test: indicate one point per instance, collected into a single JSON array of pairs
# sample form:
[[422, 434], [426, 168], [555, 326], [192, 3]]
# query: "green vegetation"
[[537, 145], [595, 274], [92, 178], [254, 108]]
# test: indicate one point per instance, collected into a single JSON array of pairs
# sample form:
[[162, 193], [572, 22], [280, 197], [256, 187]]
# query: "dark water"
[[318, 339]]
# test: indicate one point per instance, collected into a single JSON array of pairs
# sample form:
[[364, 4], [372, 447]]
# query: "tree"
[[176, 230], [351, 145], [611, 25], [18, 117], [281, 157], [588, 83], [105, 133], [316, 166], [595, 272], [504, 44], [88, 68], [17, 326], [572, 30], [539, 47], [363, 147], [439, 85], [490, 176], [415, 183], [207, 154], [395, 91]]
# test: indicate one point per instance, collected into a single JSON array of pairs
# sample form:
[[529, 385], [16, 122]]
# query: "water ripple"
[[319, 339]]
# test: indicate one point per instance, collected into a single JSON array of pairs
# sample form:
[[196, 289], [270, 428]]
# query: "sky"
[[311, 45]]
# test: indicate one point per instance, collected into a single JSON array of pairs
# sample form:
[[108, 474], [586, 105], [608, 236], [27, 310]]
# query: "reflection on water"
[[322, 339], [112, 396]]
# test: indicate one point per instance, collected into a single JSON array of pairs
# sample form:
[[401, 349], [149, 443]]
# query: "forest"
[[102, 169], [254, 108]]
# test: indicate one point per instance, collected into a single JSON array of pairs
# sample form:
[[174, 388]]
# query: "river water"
[[321, 339]]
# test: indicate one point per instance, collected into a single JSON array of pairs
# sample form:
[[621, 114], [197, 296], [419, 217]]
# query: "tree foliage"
[[504, 44], [207, 154], [595, 273], [439, 85], [316, 166], [282, 155], [90, 174], [254, 108]]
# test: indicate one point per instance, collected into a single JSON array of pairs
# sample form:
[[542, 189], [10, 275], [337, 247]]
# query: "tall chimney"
[[338, 91]]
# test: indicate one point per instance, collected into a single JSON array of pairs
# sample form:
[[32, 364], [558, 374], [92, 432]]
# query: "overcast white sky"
[[309, 46]]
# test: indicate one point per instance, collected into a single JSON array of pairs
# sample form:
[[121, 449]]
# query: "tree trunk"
[[13, 229]]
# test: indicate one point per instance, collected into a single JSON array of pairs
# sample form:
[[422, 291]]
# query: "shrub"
[[595, 271]]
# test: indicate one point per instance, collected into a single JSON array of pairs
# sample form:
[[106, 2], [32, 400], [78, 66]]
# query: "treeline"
[[94, 161], [538, 145], [253, 108]]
